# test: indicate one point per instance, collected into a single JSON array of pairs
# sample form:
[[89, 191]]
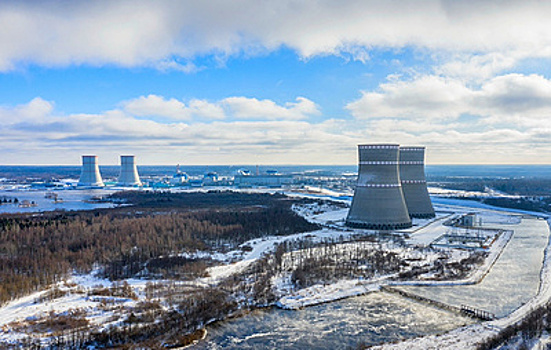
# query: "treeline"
[[38, 250], [213, 198], [521, 187], [531, 204]]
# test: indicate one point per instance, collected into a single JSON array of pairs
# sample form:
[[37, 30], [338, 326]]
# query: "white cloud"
[[136, 33], [136, 128], [430, 96], [153, 105], [252, 108], [205, 109], [506, 97], [235, 107], [36, 110]]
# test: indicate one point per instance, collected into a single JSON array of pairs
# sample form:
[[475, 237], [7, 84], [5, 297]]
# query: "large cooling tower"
[[378, 201], [129, 172], [414, 184], [90, 175]]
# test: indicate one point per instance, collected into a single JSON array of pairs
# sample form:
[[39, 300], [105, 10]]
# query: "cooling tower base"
[[372, 226], [422, 216]]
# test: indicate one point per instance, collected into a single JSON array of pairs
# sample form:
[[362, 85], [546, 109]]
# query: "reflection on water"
[[513, 280], [371, 319]]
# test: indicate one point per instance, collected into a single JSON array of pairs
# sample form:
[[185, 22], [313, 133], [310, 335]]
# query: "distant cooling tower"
[[414, 184], [129, 172], [378, 201], [90, 175]]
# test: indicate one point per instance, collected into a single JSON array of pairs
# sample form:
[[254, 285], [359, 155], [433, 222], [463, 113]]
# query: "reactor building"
[[378, 201], [90, 175], [414, 183], [129, 172]]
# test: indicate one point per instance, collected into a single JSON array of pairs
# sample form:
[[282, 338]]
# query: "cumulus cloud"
[[153, 105], [236, 107], [138, 32], [506, 97], [208, 135], [252, 108]]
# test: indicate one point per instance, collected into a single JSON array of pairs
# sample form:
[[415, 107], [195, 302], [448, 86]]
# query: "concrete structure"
[[129, 172], [414, 183], [378, 201], [468, 220], [90, 175]]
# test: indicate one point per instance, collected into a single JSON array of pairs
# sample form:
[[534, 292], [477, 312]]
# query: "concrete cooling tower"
[[90, 175], [378, 201], [414, 184], [129, 172]]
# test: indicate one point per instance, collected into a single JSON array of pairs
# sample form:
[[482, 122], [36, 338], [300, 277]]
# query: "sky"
[[274, 82]]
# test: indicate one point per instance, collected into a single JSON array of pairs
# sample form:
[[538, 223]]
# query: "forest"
[[40, 249]]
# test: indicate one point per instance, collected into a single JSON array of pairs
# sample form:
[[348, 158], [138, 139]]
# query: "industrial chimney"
[[378, 201], [129, 172], [90, 175], [414, 184]]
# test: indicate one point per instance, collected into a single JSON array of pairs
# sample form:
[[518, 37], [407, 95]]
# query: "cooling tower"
[[414, 184], [378, 201], [90, 175], [129, 172]]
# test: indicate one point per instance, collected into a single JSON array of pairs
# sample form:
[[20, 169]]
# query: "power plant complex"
[[90, 175], [391, 188]]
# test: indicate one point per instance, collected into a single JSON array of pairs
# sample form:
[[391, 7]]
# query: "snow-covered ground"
[[332, 217], [318, 293]]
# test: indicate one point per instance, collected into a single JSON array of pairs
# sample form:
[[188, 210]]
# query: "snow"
[[477, 276], [468, 337], [318, 294], [426, 235], [425, 232]]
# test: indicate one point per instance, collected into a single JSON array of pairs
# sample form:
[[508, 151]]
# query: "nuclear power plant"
[[90, 175], [129, 172], [414, 184], [378, 201]]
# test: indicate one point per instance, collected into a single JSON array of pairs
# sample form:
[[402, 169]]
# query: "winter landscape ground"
[[98, 306]]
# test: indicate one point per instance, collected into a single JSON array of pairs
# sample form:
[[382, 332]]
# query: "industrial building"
[[378, 201], [414, 183], [129, 172], [271, 178], [90, 175]]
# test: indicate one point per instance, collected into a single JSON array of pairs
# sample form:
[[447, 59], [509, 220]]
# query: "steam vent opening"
[[378, 201]]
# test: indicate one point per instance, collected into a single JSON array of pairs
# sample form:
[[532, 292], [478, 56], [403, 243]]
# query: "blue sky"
[[283, 82]]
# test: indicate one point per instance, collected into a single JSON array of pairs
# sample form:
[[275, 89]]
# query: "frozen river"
[[382, 317], [513, 280], [70, 200]]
